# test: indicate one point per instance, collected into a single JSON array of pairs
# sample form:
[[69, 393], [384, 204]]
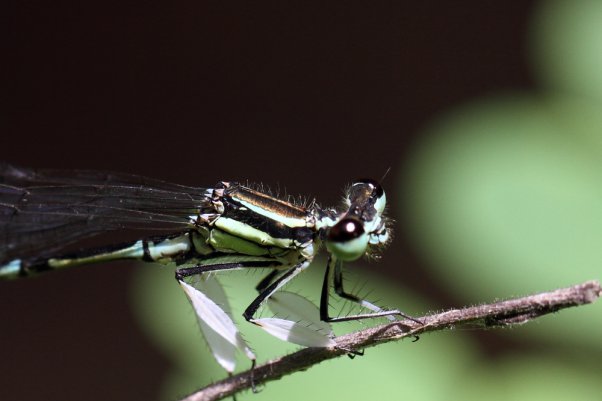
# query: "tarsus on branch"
[[497, 314]]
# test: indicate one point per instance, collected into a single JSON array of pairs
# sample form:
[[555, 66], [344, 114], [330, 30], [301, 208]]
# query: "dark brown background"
[[304, 97]]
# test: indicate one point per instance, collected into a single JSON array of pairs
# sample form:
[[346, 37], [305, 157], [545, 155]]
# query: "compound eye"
[[347, 239], [345, 230]]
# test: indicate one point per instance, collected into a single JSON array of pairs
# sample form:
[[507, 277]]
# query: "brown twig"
[[497, 314]]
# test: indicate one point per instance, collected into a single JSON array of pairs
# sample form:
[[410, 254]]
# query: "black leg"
[[325, 294], [184, 272], [338, 286], [263, 284], [253, 384], [352, 354], [270, 289]]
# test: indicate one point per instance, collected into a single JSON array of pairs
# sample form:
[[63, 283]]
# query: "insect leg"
[[338, 286], [271, 288], [212, 310], [184, 272], [263, 284]]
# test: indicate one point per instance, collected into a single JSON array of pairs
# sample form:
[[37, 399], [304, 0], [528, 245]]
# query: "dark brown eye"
[[345, 230]]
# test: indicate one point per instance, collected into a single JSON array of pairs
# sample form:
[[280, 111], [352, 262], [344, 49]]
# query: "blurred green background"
[[501, 196], [488, 114]]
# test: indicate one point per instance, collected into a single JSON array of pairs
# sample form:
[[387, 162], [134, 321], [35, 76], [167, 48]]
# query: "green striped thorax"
[[348, 234]]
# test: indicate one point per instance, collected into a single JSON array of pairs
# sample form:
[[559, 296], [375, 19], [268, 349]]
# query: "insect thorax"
[[243, 221]]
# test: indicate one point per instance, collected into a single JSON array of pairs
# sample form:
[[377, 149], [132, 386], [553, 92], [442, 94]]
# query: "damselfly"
[[230, 226]]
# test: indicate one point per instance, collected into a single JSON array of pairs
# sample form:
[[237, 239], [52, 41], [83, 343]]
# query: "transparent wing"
[[44, 210]]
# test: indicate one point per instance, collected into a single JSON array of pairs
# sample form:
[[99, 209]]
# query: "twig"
[[497, 314]]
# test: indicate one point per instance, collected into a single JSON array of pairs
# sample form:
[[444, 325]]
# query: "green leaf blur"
[[503, 197]]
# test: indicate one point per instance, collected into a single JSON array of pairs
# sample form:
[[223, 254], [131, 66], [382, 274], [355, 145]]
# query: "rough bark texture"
[[497, 314]]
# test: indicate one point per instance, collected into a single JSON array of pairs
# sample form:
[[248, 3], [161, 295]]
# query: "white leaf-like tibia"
[[223, 352], [298, 321], [218, 328], [293, 306], [295, 332]]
